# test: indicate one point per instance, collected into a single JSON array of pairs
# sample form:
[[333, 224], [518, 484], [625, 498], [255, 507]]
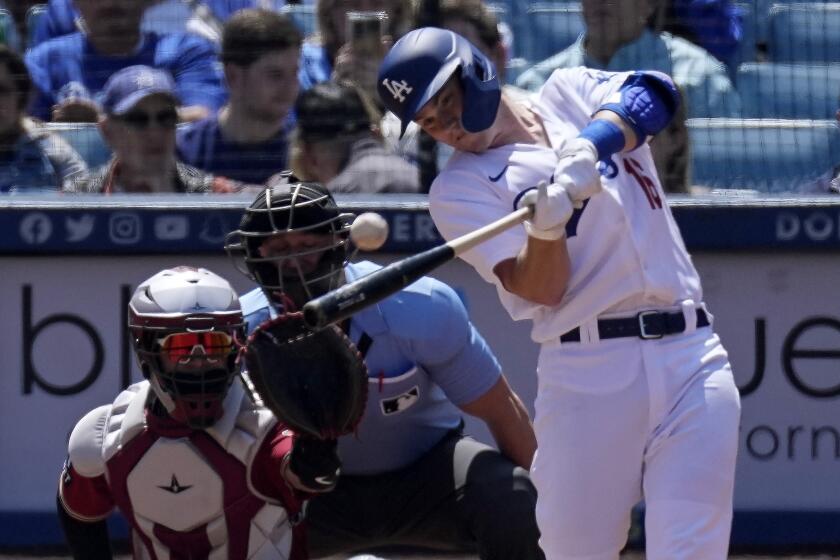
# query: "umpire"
[[410, 477]]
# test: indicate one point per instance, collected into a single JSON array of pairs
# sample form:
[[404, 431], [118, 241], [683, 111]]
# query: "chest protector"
[[191, 496]]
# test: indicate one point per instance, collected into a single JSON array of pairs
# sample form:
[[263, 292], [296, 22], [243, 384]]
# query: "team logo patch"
[[144, 79], [175, 487], [398, 89], [400, 403]]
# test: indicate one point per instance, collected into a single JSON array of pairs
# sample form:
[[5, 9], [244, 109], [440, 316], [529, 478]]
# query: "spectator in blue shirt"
[[13, 33], [60, 18], [617, 38], [70, 71], [31, 158], [715, 25], [162, 16], [247, 140]]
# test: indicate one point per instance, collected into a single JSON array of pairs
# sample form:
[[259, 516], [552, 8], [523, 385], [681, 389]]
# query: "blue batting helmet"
[[419, 64]]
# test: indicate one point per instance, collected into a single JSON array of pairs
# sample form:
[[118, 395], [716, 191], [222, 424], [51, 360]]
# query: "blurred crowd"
[[220, 95]]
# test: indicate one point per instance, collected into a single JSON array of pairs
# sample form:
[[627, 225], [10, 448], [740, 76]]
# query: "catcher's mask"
[[186, 327], [293, 242]]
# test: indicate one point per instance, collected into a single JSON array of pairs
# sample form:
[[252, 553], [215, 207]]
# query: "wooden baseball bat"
[[340, 303]]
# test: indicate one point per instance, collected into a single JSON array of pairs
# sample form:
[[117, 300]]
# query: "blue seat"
[[806, 32], [772, 156], [8, 34], [500, 10], [789, 91], [34, 15], [504, 20], [546, 29], [85, 139], [762, 14], [511, 9], [746, 51], [303, 15]]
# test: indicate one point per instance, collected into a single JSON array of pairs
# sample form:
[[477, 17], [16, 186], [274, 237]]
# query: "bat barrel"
[[339, 304]]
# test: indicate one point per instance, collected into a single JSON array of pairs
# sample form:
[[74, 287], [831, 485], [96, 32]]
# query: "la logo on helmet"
[[398, 89]]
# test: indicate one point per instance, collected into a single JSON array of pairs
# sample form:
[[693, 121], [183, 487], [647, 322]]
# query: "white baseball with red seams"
[[369, 231]]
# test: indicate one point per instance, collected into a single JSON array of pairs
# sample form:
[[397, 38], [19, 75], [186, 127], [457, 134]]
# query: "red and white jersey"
[[212, 494], [626, 251]]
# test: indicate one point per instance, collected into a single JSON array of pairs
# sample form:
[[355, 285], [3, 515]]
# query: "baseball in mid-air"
[[369, 231]]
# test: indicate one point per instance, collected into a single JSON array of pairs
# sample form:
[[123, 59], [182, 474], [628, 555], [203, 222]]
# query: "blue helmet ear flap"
[[482, 92]]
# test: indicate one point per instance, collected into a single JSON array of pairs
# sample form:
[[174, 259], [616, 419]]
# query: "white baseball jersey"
[[626, 251]]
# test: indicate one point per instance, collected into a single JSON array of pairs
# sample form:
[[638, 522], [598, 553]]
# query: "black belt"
[[645, 325]]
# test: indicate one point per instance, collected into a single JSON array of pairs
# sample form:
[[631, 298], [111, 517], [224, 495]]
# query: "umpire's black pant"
[[461, 496]]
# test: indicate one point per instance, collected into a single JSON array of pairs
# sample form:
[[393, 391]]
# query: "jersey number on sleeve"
[[635, 169]]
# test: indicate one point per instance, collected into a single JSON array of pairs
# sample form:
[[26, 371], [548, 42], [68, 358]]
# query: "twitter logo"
[[79, 229]]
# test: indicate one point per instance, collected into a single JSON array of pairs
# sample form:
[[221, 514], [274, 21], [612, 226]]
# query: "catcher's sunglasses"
[[182, 346]]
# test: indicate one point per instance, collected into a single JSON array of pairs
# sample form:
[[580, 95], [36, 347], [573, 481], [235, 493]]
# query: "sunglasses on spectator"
[[140, 120], [181, 347]]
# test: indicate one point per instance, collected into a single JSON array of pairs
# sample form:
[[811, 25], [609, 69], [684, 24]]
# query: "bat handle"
[[470, 240]]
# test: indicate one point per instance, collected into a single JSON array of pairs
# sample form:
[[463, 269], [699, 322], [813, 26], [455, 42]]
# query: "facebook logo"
[[35, 228]]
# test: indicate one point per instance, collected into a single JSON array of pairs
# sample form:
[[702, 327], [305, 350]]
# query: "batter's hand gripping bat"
[[351, 298]]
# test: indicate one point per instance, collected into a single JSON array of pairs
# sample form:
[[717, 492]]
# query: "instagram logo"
[[124, 228]]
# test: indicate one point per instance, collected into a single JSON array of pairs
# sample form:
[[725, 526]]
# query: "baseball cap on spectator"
[[329, 110], [132, 84]]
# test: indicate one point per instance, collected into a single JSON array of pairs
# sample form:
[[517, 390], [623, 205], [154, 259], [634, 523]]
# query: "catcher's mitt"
[[313, 381]]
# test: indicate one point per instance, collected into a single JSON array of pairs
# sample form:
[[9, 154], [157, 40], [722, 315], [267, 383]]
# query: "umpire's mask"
[[293, 242]]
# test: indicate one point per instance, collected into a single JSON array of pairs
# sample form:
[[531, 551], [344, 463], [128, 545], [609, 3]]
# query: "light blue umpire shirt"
[[425, 358]]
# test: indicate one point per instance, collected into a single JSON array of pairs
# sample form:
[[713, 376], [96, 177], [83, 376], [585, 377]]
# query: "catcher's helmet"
[[422, 61], [290, 206], [186, 326]]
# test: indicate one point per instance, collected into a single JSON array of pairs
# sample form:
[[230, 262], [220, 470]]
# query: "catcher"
[[409, 475], [196, 467]]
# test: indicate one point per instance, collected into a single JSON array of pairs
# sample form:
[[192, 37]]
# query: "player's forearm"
[[516, 439], [506, 417], [86, 540], [540, 273], [629, 136]]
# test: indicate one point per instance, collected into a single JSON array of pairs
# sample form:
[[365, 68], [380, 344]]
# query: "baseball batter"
[[636, 398]]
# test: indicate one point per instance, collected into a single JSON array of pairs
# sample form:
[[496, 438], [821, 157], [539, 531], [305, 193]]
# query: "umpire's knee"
[[502, 508]]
